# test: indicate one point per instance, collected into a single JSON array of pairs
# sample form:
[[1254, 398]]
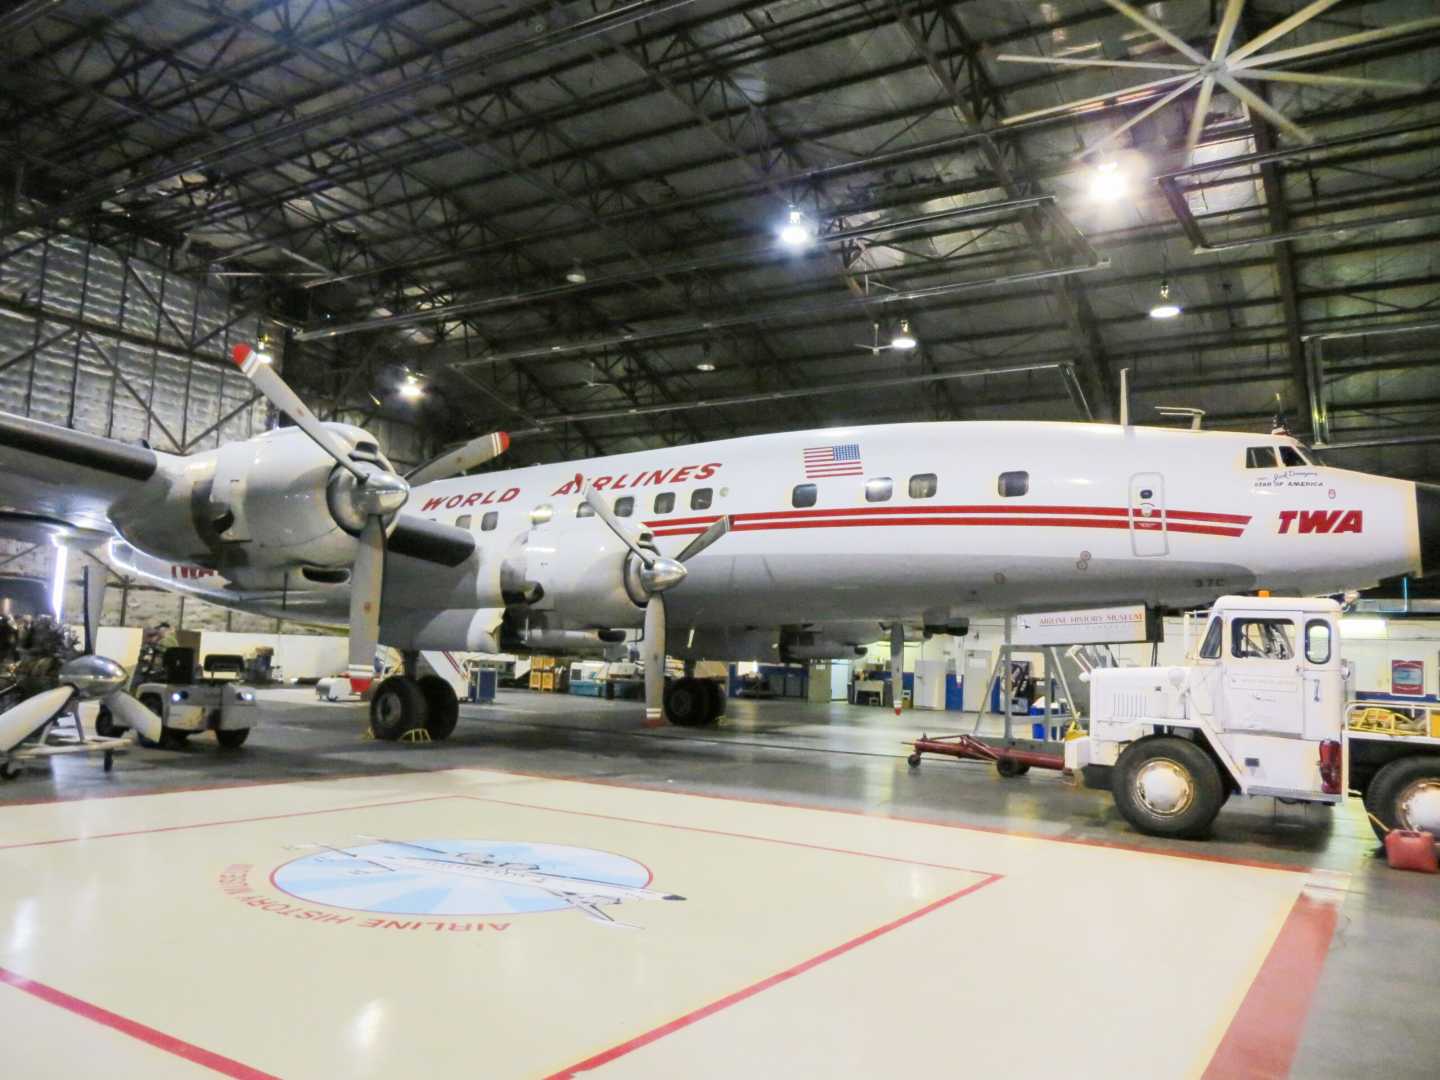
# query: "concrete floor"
[[1350, 991]]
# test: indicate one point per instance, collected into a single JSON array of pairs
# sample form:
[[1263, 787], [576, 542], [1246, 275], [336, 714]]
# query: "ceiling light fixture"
[[411, 389], [797, 232], [576, 274], [705, 365], [1108, 182], [1165, 309], [904, 340]]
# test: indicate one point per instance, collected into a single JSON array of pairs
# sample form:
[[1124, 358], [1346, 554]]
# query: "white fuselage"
[[925, 522]]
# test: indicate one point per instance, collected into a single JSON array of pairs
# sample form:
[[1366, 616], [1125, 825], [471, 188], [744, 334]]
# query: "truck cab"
[[1260, 709]]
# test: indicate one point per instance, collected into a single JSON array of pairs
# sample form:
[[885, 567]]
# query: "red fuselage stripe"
[[935, 511], [871, 522]]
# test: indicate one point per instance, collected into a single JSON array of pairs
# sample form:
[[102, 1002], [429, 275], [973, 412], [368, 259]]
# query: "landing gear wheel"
[[441, 704], [1405, 794], [913, 761], [1009, 768], [232, 738], [105, 725], [1167, 786], [397, 706], [689, 703], [156, 706]]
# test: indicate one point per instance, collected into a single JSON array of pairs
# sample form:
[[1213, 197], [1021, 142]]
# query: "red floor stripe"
[[1265, 1032], [158, 1039], [681, 1022]]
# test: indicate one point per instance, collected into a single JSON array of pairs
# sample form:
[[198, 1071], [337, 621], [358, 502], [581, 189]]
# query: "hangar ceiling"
[[564, 216]]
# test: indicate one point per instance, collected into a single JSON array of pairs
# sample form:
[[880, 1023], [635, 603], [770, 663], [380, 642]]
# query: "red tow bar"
[[967, 746]]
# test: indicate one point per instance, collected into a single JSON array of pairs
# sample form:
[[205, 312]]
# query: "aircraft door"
[[1148, 535], [1263, 679]]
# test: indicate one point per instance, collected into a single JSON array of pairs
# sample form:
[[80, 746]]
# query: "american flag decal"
[[842, 460]]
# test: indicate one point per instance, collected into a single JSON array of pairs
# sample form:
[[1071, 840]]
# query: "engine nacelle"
[[576, 566], [464, 630]]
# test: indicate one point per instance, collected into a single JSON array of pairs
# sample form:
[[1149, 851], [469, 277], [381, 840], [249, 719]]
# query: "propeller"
[[363, 503], [657, 574], [89, 678], [462, 459]]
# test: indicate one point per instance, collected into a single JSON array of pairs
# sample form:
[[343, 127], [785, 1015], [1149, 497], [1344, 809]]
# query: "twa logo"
[[190, 572], [1322, 521]]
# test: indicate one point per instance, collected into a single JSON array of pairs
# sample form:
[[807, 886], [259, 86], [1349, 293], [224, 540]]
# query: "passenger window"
[[1260, 457], [463, 521], [700, 498], [625, 506], [490, 520], [1262, 639], [880, 489], [542, 514], [1013, 484], [664, 502], [1210, 647], [1317, 641], [584, 510], [923, 485], [803, 495], [1291, 457]]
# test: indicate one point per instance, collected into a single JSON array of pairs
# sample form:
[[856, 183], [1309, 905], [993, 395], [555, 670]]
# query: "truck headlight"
[[246, 695]]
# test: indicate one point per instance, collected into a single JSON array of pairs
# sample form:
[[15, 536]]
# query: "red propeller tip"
[[240, 353], [504, 441]]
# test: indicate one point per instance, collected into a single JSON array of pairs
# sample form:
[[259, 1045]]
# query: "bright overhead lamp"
[[705, 365], [904, 340], [57, 581], [1108, 182], [411, 389], [1165, 309], [797, 232], [576, 274]]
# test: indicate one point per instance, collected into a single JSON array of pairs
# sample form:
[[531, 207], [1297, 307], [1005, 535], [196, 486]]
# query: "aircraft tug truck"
[[1261, 709]]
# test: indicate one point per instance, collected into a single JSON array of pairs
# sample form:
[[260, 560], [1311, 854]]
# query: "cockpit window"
[[1292, 457], [1261, 457], [1263, 639]]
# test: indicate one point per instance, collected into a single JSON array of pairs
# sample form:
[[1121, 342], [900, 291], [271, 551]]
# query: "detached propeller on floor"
[[657, 574], [87, 676], [364, 502]]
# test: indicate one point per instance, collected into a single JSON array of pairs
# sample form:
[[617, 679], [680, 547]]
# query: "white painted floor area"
[[147, 937]]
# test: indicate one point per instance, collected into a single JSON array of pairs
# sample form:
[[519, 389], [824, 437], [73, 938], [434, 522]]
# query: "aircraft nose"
[[1427, 515]]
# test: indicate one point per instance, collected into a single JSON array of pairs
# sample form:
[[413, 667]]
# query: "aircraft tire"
[[398, 706], [1168, 786], [690, 703], [442, 707], [1404, 795]]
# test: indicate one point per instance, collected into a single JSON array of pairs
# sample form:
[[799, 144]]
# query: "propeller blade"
[[267, 380], [94, 587], [597, 503], [716, 530], [462, 459], [129, 712], [19, 723], [655, 659], [367, 579]]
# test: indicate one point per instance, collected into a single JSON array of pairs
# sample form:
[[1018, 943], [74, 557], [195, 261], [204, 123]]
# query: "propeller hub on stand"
[[92, 676]]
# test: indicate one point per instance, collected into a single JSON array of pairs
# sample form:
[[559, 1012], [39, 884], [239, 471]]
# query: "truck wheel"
[[173, 739], [398, 706], [1009, 768], [442, 707], [105, 725], [1166, 786], [689, 703], [232, 738], [1405, 794]]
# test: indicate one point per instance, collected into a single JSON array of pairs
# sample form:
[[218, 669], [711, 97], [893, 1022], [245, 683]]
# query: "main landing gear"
[[691, 702], [403, 703]]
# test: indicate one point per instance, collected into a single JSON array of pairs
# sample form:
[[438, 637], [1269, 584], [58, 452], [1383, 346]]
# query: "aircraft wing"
[[59, 482]]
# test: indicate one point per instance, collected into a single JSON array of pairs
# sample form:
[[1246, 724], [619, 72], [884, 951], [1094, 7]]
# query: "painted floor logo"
[[451, 878]]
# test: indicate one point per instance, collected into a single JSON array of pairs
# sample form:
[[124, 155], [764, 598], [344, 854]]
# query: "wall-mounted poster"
[[1407, 677]]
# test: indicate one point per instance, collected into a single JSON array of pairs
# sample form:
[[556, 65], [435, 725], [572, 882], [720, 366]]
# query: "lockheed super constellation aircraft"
[[813, 540]]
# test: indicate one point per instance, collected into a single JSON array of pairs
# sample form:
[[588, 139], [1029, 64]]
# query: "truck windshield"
[[1210, 648], [1263, 639]]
